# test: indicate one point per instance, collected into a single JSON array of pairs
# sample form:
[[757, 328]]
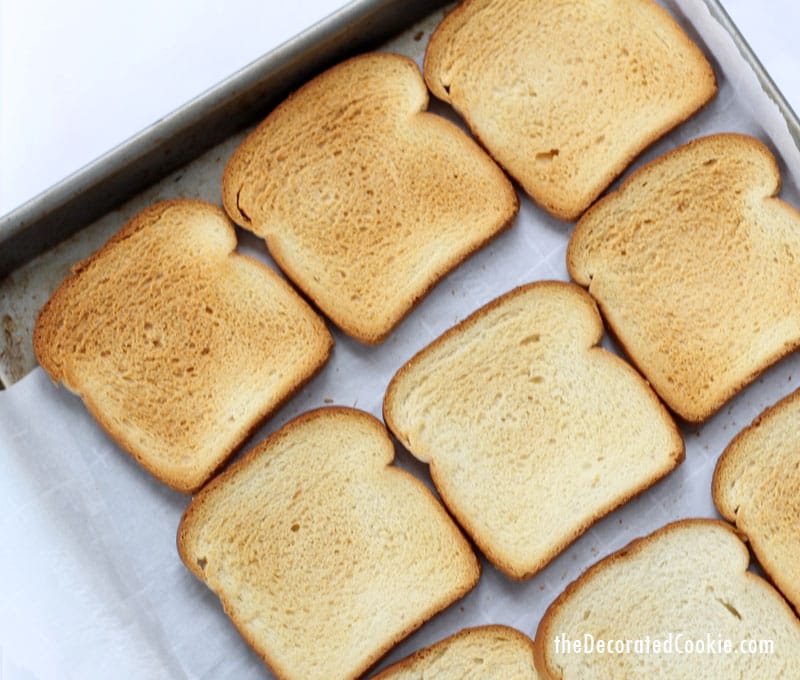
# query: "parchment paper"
[[92, 586]]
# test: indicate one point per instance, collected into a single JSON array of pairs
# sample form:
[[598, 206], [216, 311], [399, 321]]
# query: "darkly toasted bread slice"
[[178, 346], [694, 265], [364, 199]]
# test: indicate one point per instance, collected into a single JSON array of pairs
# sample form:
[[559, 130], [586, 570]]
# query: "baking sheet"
[[92, 583]]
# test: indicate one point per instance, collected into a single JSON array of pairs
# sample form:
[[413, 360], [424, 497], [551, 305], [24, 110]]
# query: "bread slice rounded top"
[[490, 652], [565, 95], [364, 199], [323, 554], [178, 346], [531, 430], [678, 603], [757, 487], [694, 264]]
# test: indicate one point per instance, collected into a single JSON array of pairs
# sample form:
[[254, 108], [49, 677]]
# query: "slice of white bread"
[[695, 266], [531, 430], [565, 95], [323, 554], [364, 199], [178, 346], [757, 486], [491, 652], [677, 604]]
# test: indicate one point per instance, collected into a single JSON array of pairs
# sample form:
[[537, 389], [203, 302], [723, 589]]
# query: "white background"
[[79, 77]]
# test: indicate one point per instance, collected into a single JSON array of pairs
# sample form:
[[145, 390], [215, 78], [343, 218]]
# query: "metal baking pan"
[[93, 499], [143, 160]]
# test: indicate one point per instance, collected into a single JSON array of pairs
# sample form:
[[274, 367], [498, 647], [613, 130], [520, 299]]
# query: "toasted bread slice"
[[484, 653], [178, 346], [695, 266], [757, 486], [565, 95], [325, 555], [365, 200], [531, 430], [677, 604]]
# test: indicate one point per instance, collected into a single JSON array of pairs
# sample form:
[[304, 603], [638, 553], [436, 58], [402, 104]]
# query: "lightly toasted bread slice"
[[323, 554], [676, 604], [565, 95], [178, 346], [490, 652], [532, 432], [757, 487], [364, 199], [694, 265]]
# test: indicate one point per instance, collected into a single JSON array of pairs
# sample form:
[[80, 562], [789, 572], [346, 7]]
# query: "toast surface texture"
[[178, 346], [757, 487], [666, 597], [532, 432], [490, 652], [323, 554], [694, 264], [364, 199], [565, 95]]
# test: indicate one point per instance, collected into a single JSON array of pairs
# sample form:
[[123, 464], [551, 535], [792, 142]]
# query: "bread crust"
[[366, 200], [277, 449], [590, 332], [625, 91], [125, 332], [755, 486], [699, 335]]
